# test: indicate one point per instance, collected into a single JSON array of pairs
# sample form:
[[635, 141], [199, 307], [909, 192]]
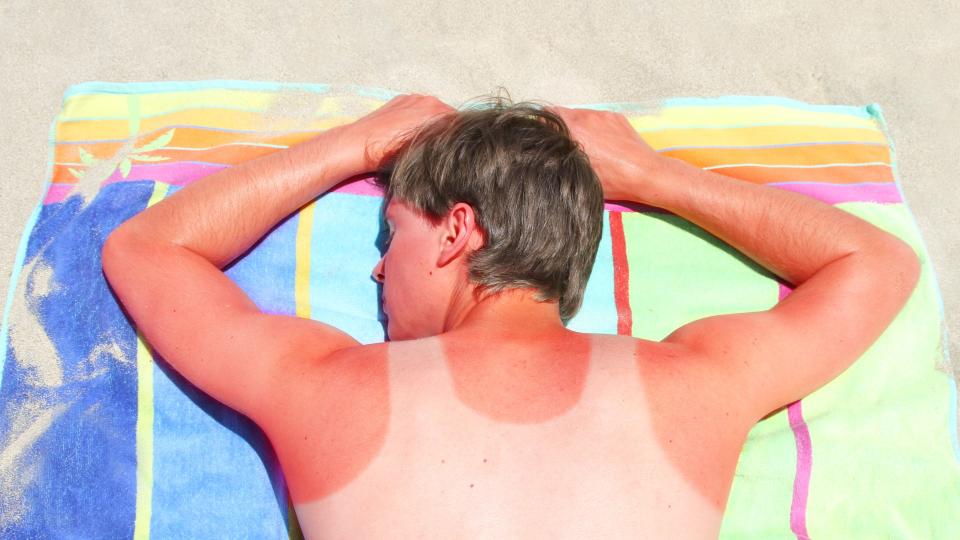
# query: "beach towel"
[[100, 438]]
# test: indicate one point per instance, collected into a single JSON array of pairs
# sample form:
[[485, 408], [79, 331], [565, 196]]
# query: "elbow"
[[111, 244], [112, 251], [891, 265], [912, 272], [904, 266], [905, 254], [108, 254]]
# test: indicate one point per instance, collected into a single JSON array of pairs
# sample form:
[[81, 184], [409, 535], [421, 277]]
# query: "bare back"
[[424, 439]]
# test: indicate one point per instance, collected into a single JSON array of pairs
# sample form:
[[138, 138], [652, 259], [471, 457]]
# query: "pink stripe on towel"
[[878, 192], [183, 173], [801, 481]]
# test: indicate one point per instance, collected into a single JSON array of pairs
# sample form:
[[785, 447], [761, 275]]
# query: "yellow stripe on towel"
[[740, 115], [302, 275], [301, 285], [141, 529]]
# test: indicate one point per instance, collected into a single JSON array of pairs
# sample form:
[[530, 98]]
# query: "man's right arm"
[[851, 279]]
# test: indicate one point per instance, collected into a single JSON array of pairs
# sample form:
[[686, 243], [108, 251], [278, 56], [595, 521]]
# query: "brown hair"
[[536, 198]]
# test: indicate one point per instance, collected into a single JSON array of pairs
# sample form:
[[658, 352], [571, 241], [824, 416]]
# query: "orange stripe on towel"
[[832, 175], [813, 154]]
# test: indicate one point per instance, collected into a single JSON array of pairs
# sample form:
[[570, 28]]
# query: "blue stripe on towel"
[[343, 252], [598, 313], [211, 482]]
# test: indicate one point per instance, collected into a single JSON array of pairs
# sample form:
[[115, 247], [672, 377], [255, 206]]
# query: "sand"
[[17, 468]]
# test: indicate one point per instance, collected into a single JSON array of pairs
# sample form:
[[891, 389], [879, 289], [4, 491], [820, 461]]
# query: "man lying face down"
[[484, 416]]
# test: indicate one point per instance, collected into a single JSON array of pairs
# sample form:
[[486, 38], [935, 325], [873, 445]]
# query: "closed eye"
[[384, 237]]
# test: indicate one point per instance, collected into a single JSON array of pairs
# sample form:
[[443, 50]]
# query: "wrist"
[[656, 167], [641, 177], [342, 150], [355, 148]]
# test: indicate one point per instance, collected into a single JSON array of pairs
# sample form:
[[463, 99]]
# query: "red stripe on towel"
[[621, 275]]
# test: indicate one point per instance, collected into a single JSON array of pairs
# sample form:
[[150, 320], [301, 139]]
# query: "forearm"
[[790, 234], [220, 216]]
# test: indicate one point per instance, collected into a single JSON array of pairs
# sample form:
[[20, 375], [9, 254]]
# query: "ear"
[[459, 233]]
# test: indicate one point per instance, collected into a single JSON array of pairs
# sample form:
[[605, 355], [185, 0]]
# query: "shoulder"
[[325, 388], [350, 364], [645, 352]]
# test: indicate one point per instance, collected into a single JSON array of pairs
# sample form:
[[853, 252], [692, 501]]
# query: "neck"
[[510, 313]]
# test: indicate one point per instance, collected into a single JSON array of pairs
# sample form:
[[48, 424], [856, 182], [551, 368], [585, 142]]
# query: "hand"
[[378, 133], [619, 156]]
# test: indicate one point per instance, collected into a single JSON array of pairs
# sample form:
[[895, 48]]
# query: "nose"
[[378, 271]]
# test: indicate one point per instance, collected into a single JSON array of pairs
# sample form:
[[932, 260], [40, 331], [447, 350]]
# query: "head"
[[486, 200]]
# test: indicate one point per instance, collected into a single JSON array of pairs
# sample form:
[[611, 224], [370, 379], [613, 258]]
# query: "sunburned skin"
[[503, 426], [518, 389], [569, 436], [484, 416]]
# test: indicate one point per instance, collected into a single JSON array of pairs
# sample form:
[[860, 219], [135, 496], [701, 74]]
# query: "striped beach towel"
[[100, 438]]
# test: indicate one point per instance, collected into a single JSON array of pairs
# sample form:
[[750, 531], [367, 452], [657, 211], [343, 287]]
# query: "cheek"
[[405, 262], [407, 276], [396, 273]]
